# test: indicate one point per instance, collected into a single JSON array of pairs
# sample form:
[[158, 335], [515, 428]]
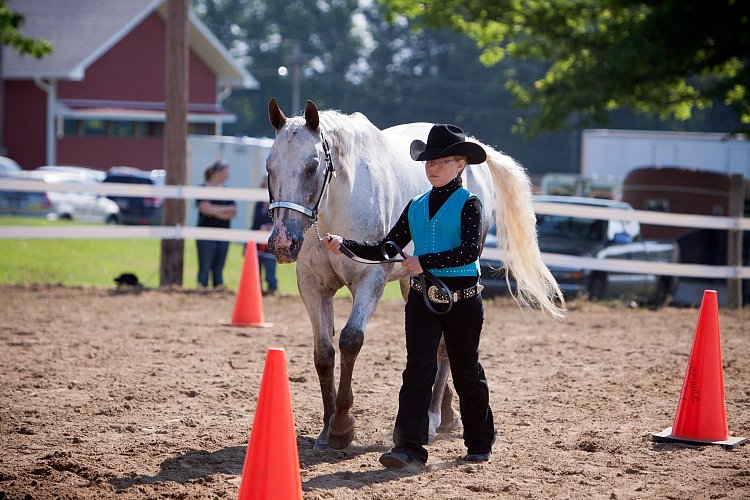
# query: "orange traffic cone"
[[271, 467], [701, 416], [248, 306]]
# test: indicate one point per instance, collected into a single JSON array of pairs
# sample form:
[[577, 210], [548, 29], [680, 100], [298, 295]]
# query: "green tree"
[[669, 58], [354, 60], [10, 34], [315, 35]]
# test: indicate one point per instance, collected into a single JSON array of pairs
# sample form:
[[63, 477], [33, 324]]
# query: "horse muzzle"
[[285, 244]]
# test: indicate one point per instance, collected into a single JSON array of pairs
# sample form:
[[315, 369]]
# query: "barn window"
[[201, 128], [123, 129], [153, 129], [94, 128]]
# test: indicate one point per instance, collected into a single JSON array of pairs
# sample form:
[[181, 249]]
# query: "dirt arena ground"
[[150, 395]]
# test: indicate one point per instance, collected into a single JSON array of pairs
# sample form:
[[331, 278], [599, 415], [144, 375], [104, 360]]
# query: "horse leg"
[[319, 307], [404, 285], [366, 296], [438, 391], [450, 420]]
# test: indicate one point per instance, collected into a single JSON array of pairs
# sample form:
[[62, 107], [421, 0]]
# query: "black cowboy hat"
[[447, 140]]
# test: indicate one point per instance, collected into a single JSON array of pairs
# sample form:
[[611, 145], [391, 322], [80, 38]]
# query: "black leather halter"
[[312, 214]]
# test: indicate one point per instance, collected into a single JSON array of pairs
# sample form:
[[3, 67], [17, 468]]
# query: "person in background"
[[267, 262], [212, 255]]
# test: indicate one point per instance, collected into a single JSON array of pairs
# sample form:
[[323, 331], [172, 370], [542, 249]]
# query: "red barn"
[[99, 99]]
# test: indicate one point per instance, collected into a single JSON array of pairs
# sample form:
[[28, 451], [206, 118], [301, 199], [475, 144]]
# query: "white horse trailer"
[[611, 154]]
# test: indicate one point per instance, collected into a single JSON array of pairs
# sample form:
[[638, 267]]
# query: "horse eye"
[[311, 168]]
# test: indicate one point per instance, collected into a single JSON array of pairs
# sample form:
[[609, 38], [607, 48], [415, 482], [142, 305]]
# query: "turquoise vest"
[[442, 232]]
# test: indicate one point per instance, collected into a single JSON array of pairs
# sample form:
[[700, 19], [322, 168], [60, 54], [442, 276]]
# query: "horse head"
[[297, 177]]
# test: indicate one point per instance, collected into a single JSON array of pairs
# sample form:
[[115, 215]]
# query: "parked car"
[[84, 173], [25, 203], [137, 210], [85, 205], [8, 167], [603, 239]]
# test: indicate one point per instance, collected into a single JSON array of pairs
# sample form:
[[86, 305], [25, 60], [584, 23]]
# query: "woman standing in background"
[[212, 255]]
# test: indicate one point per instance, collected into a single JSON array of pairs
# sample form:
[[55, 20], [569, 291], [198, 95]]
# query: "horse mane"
[[350, 134]]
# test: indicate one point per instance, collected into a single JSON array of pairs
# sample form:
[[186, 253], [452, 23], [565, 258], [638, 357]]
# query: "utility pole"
[[175, 137], [296, 77]]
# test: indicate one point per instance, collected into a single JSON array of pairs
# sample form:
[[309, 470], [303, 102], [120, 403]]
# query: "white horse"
[[343, 175]]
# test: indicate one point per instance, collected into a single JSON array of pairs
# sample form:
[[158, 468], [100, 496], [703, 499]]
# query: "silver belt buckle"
[[434, 295]]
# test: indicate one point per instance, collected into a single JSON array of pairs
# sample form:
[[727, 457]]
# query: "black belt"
[[439, 296]]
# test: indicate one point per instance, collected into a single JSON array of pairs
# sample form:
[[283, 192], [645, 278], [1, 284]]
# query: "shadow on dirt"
[[193, 466], [198, 466]]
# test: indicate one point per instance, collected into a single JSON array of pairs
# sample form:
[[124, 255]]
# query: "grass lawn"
[[95, 263]]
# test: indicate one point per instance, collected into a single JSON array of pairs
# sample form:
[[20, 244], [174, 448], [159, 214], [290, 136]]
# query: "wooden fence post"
[[734, 240], [175, 137]]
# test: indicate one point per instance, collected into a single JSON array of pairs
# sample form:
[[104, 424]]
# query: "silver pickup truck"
[[597, 238]]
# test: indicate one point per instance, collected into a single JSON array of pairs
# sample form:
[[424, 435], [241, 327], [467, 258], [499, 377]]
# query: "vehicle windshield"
[[574, 228]]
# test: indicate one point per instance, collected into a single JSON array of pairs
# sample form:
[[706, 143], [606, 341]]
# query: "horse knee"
[[351, 340], [325, 359]]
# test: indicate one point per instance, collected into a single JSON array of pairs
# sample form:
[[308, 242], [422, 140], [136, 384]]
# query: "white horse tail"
[[517, 238]]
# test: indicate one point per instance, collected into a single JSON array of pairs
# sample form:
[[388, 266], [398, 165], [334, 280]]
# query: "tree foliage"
[[354, 58], [10, 34], [669, 58]]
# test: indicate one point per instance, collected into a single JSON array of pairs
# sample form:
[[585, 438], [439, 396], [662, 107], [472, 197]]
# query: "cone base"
[[251, 325], [666, 436]]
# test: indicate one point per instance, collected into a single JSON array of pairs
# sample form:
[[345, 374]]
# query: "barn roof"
[[81, 31]]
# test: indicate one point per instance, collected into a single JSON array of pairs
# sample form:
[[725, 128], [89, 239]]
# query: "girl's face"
[[443, 170]]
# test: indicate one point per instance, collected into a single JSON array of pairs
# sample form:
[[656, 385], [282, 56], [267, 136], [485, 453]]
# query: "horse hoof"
[[453, 426], [338, 440]]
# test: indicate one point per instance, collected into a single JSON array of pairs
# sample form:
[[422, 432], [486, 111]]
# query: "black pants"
[[461, 328]]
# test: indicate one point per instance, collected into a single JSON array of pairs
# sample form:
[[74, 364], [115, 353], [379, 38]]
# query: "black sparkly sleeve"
[[471, 238], [400, 234]]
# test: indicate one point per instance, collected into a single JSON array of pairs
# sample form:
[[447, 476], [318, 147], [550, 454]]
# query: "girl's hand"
[[333, 243], [411, 263]]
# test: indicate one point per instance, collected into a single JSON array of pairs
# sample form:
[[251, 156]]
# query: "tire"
[[598, 286], [661, 297], [112, 219]]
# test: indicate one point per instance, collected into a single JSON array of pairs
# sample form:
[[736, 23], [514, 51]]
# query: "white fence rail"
[[255, 194]]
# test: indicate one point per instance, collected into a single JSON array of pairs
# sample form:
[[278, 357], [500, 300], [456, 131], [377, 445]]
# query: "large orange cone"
[[271, 468], [701, 416], [248, 306]]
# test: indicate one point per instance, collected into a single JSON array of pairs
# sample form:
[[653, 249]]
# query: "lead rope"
[[423, 277]]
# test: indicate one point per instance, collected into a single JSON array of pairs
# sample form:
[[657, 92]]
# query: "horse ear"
[[275, 115], [311, 116]]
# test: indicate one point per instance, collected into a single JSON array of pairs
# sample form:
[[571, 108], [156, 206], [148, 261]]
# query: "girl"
[[445, 225]]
